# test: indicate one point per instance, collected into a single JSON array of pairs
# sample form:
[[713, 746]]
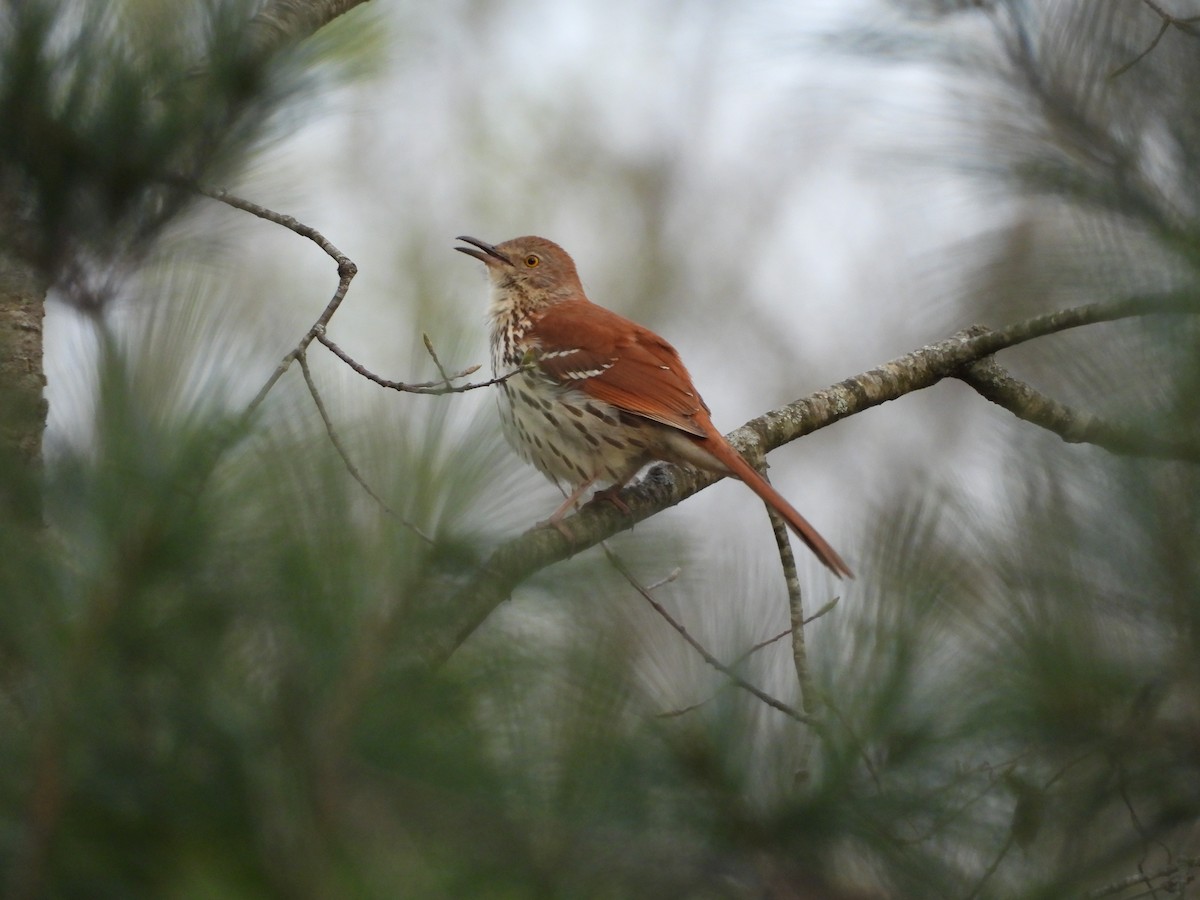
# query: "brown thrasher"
[[598, 396]]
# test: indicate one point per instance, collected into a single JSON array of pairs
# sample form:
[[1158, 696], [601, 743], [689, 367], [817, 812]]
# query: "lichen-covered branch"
[[992, 381], [666, 486]]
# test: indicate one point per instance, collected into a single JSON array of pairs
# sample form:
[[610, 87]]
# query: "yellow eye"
[[531, 261]]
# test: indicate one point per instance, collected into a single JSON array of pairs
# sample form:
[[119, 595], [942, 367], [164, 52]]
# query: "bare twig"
[[733, 676], [1183, 870], [345, 455], [437, 362], [345, 267], [346, 271], [787, 559], [1013, 836], [859, 744], [666, 579], [992, 866], [443, 386], [1186, 25], [995, 774], [992, 381], [1147, 838], [787, 631], [1121, 70], [684, 710], [745, 656]]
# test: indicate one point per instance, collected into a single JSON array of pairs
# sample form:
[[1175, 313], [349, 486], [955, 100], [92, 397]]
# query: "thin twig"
[[684, 710], [667, 579], [859, 744], [1135, 820], [346, 271], [1183, 869], [1183, 23], [302, 358], [733, 676], [1168, 21], [779, 637], [345, 267], [444, 386], [1012, 832], [791, 578], [1121, 70], [992, 866], [437, 362], [745, 656], [995, 774], [787, 631]]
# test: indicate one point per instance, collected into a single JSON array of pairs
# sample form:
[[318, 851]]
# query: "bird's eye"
[[531, 261]]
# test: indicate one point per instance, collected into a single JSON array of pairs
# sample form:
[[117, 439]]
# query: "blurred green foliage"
[[105, 108], [209, 642], [210, 687]]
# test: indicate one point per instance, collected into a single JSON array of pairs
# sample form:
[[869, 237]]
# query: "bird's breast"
[[570, 436]]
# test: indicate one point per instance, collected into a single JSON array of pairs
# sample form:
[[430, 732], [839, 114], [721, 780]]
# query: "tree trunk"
[[22, 379]]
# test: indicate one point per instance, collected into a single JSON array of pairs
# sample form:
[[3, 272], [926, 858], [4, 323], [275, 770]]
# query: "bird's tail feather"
[[738, 466]]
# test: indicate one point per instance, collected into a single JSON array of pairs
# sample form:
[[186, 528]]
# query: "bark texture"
[[22, 306]]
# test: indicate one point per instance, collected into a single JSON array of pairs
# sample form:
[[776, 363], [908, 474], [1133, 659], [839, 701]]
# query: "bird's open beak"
[[486, 253]]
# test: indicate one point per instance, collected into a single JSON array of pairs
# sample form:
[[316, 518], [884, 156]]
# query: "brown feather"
[[539, 308], [724, 452], [644, 375]]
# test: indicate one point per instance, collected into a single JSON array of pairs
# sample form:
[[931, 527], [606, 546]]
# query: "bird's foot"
[[613, 496]]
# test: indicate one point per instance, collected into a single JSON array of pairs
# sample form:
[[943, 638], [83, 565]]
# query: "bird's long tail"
[[737, 466]]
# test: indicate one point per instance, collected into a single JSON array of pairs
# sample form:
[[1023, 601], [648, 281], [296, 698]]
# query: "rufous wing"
[[628, 366], [619, 362]]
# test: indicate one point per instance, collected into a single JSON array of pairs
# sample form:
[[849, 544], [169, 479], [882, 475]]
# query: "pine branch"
[[993, 382], [665, 486]]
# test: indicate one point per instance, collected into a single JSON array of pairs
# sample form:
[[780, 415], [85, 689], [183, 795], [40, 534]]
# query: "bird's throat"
[[510, 313]]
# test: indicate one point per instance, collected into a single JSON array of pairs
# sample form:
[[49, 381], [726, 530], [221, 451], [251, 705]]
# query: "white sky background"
[[818, 206]]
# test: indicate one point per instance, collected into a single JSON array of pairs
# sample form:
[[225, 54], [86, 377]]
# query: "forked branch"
[[666, 486], [966, 355]]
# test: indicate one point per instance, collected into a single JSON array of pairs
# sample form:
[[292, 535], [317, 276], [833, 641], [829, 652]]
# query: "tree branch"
[[665, 486], [994, 383], [444, 386], [791, 578], [346, 270]]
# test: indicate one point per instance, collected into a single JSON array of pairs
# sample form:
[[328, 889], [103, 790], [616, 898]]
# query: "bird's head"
[[531, 263]]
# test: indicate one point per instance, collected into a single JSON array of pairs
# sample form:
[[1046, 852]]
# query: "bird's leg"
[[610, 494], [556, 517]]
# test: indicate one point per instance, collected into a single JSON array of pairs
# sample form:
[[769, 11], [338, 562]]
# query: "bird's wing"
[[618, 362]]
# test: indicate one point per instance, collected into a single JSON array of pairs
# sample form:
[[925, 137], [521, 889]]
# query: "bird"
[[590, 397]]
